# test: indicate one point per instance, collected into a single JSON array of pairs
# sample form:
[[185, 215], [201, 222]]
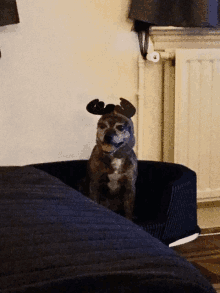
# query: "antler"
[[97, 108], [126, 108]]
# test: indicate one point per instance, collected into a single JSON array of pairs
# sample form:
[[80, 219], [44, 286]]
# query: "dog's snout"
[[109, 136]]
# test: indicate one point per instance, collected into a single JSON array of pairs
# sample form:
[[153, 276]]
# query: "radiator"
[[191, 126], [191, 114]]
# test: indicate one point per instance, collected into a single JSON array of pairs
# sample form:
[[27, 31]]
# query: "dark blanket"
[[53, 239]]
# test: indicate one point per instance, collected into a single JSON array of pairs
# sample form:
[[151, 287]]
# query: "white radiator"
[[191, 113], [197, 117]]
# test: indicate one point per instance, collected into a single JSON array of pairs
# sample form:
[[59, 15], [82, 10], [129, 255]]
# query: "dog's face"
[[113, 132]]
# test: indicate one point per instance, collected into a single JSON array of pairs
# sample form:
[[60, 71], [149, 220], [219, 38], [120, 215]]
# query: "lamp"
[[8, 12]]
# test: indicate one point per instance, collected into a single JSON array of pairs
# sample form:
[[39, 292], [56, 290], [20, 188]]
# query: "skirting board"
[[208, 195], [208, 204]]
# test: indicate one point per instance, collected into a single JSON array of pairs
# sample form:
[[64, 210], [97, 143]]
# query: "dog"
[[112, 167]]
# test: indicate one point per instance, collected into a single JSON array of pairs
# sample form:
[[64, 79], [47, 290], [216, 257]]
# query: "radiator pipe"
[[167, 55], [140, 96]]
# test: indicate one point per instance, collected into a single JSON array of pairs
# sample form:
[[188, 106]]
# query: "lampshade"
[[8, 12]]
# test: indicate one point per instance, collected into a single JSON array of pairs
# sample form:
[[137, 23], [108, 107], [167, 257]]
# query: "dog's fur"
[[112, 167]]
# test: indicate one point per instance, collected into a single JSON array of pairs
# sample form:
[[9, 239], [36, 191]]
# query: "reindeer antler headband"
[[98, 108]]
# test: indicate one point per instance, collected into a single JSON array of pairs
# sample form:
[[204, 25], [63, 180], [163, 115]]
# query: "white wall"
[[60, 56]]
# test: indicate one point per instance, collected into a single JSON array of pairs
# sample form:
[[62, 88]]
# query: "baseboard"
[[210, 231], [208, 204], [208, 196]]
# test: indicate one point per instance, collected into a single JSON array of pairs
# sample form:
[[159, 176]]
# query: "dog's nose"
[[108, 138]]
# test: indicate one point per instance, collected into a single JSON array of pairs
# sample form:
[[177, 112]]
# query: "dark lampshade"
[[8, 12]]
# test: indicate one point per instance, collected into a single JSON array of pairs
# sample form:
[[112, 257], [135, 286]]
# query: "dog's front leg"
[[94, 191], [129, 198]]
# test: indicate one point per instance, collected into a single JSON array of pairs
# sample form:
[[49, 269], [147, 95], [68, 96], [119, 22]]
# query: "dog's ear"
[[97, 108], [126, 108]]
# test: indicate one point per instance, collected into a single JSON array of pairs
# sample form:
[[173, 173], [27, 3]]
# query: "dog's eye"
[[120, 127], [102, 126]]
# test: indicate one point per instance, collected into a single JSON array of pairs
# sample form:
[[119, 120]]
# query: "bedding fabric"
[[54, 239]]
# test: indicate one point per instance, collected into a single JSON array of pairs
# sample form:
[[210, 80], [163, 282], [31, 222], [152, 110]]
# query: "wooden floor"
[[204, 253]]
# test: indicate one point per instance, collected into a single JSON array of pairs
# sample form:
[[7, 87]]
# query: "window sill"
[[171, 38]]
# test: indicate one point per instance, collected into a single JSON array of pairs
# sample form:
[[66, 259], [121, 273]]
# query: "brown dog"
[[112, 167]]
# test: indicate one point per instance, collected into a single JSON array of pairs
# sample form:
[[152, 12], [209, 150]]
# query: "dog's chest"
[[115, 176]]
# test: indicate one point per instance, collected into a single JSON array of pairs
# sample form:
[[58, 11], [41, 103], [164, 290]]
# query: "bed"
[[54, 239]]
